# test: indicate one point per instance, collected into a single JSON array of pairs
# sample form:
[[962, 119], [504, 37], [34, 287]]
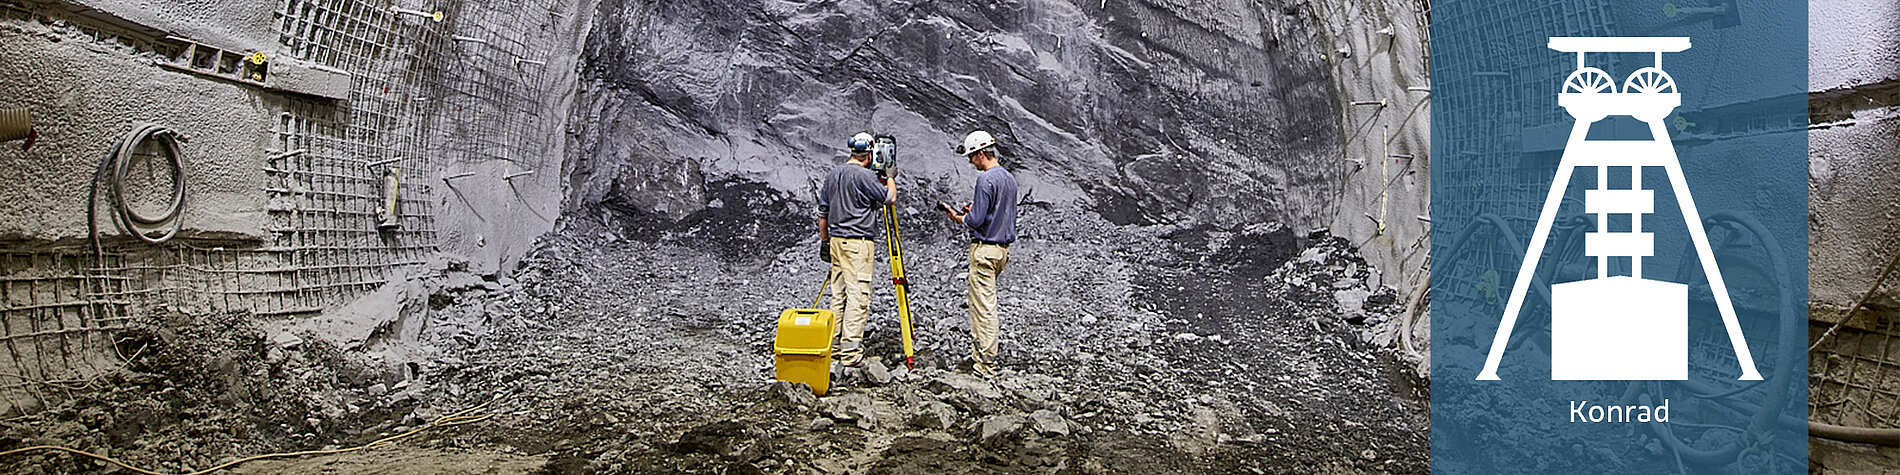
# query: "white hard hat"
[[860, 143], [977, 140]]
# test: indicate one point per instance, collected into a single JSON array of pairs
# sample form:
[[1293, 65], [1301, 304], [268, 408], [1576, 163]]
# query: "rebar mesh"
[[1854, 377], [420, 102]]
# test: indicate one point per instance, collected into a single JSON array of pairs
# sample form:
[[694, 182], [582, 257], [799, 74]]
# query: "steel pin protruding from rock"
[[519, 61], [289, 154], [1380, 103], [512, 176], [437, 15]]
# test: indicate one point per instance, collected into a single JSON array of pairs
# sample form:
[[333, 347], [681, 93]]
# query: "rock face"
[[717, 120]]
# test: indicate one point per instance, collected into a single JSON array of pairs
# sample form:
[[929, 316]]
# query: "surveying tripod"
[[884, 157], [894, 244]]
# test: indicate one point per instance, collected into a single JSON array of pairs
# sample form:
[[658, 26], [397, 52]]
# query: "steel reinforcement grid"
[[426, 98]]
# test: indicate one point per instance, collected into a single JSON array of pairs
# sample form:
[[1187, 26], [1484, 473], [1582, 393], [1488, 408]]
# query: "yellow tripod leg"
[[821, 288], [895, 245]]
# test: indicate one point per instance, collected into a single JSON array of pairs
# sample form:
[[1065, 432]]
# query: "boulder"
[[1352, 304], [876, 373], [996, 430], [794, 395], [853, 407], [1314, 255], [287, 340], [933, 415], [1049, 423], [946, 383]]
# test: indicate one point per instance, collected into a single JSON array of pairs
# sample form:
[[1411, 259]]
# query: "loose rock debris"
[[1127, 349]]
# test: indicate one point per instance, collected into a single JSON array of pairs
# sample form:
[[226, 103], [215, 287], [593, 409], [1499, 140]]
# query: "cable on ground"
[[450, 420]]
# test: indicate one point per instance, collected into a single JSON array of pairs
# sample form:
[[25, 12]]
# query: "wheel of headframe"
[[1590, 81], [1649, 80]]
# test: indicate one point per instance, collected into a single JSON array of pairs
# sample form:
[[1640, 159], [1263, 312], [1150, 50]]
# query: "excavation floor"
[[1144, 350], [1127, 350]]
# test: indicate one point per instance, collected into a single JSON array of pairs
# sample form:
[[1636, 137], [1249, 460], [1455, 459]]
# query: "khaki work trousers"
[[851, 295], [986, 262]]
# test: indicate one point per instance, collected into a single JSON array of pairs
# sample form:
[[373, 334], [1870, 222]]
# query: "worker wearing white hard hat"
[[847, 219], [991, 219]]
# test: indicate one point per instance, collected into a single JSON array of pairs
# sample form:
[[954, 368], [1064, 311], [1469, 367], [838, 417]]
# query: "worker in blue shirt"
[[847, 219], [991, 218]]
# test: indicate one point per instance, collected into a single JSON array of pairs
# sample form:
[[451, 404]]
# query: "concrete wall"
[[284, 183], [1854, 218], [1855, 184], [503, 118], [487, 218], [76, 88]]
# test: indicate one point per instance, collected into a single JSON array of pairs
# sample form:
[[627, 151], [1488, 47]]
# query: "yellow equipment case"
[[802, 349]]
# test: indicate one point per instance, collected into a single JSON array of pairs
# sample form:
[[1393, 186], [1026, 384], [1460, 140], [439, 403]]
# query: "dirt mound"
[[195, 391], [1154, 349]]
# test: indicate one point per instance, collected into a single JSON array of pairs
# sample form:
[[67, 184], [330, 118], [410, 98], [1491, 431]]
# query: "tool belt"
[[980, 241]]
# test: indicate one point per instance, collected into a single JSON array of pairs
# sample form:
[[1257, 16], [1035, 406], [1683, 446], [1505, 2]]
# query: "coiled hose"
[[152, 229]]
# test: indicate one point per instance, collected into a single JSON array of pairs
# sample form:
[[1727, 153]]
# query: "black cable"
[[112, 170]]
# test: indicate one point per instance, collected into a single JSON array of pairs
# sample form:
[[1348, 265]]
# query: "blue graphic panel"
[[1619, 253]]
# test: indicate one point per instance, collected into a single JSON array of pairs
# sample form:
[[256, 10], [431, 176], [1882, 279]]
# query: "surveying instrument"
[[884, 162], [1619, 327]]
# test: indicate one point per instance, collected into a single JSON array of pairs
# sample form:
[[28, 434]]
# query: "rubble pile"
[[195, 391], [1147, 348], [1329, 281], [1144, 349]]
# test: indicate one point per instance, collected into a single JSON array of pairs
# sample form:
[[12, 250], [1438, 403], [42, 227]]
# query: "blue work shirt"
[[849, 201], [992, 215]]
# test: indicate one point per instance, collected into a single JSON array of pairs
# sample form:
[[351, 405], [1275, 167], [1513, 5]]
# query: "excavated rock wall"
[[717, 120], [1378, 52]]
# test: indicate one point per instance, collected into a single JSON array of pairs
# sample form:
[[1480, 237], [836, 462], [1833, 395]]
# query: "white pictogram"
[[1619, 327]]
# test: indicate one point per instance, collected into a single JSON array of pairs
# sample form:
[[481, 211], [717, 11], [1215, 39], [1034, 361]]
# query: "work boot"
[[986, 371]]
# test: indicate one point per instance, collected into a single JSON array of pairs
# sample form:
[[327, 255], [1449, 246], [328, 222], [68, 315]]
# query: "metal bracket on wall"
[[251, 68], [214, 62], [257, 69]]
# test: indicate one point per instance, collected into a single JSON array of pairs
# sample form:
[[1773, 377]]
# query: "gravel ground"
[[1127, 349]]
